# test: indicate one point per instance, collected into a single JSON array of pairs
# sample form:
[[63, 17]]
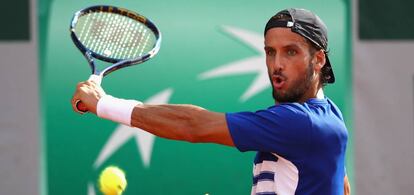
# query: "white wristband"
[[115, 109]]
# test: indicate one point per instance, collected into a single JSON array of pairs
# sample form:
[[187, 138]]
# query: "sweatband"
[[116, 109]]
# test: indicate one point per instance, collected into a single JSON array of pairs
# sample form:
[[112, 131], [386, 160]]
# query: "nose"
[[278, 62]]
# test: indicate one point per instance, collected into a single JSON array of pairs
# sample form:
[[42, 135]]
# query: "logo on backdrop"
[[254, 64]]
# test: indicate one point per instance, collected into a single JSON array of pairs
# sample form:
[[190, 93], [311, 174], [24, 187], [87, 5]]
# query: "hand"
[[89, 93]]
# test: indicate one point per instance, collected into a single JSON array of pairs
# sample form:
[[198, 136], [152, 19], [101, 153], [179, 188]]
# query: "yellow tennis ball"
[[112, 181]]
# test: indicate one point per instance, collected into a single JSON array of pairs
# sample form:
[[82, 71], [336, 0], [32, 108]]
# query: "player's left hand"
[[89, 93]]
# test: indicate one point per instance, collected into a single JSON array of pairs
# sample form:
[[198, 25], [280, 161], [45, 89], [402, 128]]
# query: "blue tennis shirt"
[[300, 147]]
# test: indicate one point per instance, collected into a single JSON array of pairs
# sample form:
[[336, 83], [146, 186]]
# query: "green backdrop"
[[200, 40]]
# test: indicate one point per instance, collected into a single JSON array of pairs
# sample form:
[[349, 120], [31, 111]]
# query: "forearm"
[[182, 122], [347, 186], [168, 121]]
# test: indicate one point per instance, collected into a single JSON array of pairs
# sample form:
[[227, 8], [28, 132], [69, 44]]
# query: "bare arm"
[[179, 122], [347, 186], [182, 122]]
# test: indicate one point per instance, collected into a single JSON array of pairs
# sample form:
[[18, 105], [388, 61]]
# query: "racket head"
[[114, 35]]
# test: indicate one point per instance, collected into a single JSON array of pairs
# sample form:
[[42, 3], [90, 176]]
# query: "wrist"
[[116, 109]]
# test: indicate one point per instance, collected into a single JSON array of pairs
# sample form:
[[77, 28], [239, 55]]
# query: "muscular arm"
[[182, 122], [179, 122]]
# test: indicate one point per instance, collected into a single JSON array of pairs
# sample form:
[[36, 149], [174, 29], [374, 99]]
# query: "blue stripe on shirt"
[[264, 176], [266, 193]]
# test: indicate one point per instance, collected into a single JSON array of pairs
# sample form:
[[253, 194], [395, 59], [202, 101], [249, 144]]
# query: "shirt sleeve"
[[283, 129]]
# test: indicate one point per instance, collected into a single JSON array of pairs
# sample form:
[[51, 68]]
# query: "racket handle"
[[80, 107], [95, 78]]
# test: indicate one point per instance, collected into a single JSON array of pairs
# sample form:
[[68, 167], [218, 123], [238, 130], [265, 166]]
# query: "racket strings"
[[114, 36]]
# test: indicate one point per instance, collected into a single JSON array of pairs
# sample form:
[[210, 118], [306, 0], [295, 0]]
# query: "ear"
[[319, 60]]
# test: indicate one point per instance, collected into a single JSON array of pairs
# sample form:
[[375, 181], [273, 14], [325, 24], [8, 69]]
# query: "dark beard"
[[297, 90]]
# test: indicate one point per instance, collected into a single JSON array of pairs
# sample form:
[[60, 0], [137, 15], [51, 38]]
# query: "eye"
[[291, 52], [270, 52]]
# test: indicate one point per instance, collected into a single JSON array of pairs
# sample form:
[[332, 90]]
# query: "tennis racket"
[[114, 35]]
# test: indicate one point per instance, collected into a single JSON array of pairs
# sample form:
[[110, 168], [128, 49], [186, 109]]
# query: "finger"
[[73, 102], [80, 90], [81, 84], [90, 83]]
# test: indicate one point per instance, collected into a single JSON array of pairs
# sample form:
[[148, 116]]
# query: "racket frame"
[[90, 56], [117, 63]]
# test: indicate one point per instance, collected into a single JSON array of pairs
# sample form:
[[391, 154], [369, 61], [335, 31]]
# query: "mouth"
[[278, 81]]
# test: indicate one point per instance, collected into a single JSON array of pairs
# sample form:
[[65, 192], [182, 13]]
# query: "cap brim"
[[331, 75]]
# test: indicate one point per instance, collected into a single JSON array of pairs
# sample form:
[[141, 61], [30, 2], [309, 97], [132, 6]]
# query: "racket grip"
[[95, 78], [80, 107]]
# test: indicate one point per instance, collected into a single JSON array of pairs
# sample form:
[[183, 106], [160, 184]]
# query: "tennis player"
[[300, 141]]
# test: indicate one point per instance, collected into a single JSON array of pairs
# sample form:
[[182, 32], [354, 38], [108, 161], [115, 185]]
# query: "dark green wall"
[[391, 20], [16, 21]]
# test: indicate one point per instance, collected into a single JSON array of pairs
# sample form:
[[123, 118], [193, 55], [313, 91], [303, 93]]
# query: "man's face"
[[289, 65]]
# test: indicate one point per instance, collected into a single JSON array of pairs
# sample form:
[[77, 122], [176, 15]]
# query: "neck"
[[320, 94], [315, 92]]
